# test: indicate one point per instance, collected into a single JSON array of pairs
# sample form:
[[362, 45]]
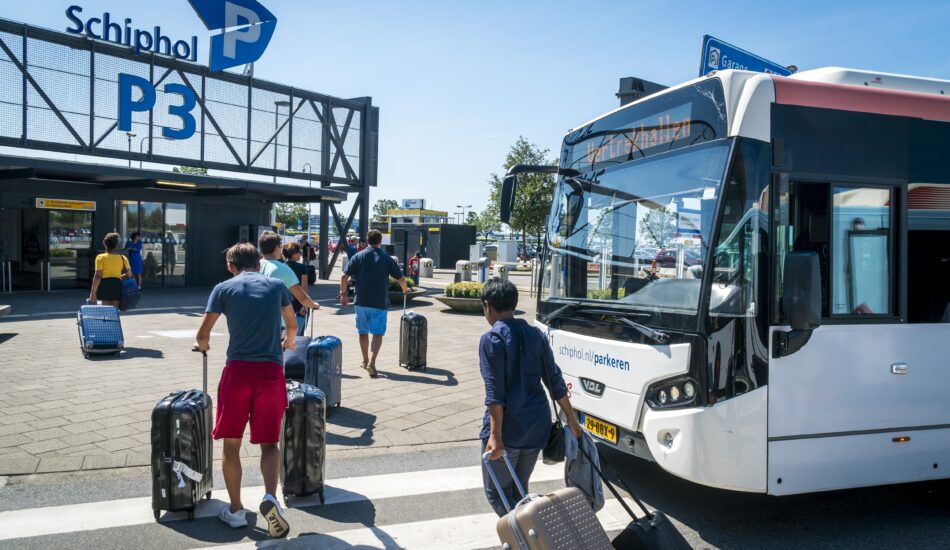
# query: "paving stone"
[[14, 440], [14, 466], [101, 462], [138, 458], [43, 424], [47, 445], [118, 444], [50, 464], [76, 440], [83, 427], [49, 433], [16, 418]]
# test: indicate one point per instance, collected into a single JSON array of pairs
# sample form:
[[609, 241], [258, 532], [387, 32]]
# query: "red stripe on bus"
[[864, 100]]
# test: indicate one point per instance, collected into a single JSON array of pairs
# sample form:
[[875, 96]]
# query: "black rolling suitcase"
[[182, 452], [100, 330], [303, 442], [654, 531], [413, 339]]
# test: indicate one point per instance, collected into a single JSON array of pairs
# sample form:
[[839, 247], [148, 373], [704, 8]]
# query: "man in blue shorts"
[[371, 268], [252, 387]]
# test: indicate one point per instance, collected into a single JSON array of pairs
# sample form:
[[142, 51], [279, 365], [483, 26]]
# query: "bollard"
[[501, 271], [427, 268], [464, 269]]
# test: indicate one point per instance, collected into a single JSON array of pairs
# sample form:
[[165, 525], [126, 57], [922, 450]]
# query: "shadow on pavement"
[[429, 376], [5, 337], [351, 419], [730, 519], [137, 353]]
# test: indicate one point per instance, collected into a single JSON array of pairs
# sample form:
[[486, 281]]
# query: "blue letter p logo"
[[248, 27]]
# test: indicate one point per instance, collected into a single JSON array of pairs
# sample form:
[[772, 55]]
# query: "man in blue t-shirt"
[[252, 386], [371, 268]]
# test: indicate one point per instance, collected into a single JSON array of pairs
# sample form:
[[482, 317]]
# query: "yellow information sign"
[[66, 204]]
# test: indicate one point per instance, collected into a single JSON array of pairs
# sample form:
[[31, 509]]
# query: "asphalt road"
[[444, 502]]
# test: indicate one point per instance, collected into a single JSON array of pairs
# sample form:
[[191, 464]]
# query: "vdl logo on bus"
[[247, 28]]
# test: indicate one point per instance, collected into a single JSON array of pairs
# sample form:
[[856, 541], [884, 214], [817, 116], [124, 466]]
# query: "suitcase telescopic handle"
[[486, 460], [204, 369]]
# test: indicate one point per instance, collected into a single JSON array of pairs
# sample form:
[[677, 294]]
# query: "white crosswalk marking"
[[476, 531], [138, 511]]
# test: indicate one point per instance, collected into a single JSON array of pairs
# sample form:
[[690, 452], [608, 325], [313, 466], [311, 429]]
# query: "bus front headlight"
[[673, 393]]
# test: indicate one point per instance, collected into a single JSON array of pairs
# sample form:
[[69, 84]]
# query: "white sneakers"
[[271, 511], [234, 520], [273, 514]]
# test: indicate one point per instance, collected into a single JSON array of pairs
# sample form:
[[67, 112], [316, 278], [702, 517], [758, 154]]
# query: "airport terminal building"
[[96, 138]]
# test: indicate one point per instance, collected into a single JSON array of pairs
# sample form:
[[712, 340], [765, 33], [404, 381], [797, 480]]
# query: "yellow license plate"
[[600, 428]]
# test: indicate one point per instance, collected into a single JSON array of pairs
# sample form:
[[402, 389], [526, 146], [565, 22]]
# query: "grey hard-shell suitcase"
[[182, 450], [413, 339], [303, 442], [562, 520], [100, 330]]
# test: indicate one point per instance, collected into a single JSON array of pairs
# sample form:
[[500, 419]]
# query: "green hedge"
[[394, 284], [464, 290]]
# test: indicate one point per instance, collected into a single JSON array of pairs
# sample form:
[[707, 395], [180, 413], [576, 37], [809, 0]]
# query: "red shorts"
[[255, 392]]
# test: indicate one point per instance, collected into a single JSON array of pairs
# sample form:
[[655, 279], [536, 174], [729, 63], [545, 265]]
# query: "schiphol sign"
[[246, 29]]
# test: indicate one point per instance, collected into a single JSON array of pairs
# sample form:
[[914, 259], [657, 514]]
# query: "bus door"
[[862, 402]]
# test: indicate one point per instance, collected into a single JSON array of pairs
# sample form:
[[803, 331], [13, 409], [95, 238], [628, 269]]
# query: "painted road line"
[[138, 511], [462, 532]]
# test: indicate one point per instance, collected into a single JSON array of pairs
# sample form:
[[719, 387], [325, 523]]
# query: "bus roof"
[[829, 87]]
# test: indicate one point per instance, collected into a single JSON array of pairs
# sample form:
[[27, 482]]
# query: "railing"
[[46, 282]]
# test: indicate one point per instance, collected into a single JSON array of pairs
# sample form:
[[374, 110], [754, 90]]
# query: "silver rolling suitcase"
[[562, 520]]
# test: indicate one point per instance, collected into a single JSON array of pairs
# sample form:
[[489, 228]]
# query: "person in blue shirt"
[[516, 363], [134, 247], [372, 269]]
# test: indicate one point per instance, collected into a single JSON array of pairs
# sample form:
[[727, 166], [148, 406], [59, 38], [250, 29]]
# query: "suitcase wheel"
[[158, 515], [208, 495], [191, 515], [323, 500]]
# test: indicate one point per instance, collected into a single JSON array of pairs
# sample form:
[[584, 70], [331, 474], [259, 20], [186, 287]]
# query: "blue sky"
[[458, 82]]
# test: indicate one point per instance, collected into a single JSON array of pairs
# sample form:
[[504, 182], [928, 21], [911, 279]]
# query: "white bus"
[[792, 332]]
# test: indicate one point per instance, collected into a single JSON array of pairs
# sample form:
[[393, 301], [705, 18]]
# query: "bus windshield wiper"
[[657, 336], [557, 313]]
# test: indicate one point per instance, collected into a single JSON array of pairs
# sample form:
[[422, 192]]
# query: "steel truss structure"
[[59, 93]]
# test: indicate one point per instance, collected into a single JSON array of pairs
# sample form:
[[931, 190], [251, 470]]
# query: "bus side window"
[[861, 247]]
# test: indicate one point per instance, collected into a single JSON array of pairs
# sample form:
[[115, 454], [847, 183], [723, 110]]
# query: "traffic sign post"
[[719, 56]]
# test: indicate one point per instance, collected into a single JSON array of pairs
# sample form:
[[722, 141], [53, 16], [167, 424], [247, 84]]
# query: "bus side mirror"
[[801, 302], [508, 186]]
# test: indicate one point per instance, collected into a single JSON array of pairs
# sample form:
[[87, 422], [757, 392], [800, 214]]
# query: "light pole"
[[142, 142], [130, 136], [277, 105], [457, 217], [463, 210]]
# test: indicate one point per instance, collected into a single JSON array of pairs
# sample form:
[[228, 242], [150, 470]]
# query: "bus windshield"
[[635, 236]]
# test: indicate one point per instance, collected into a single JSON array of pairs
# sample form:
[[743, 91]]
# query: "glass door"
[[152, 228], [173, 249], [70, 249]]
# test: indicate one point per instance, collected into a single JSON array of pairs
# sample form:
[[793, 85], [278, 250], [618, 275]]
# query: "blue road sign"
[[719, 56]]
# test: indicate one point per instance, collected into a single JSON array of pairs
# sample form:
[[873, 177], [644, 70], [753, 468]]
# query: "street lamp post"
[[463, 210], [277, 105], [130, 136]]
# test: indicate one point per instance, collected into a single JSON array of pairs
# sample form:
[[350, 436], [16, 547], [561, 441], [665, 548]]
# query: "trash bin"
[[464, 269], [427, 268]]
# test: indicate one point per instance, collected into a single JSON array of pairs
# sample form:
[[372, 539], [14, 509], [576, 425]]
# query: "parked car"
[[667, 257]]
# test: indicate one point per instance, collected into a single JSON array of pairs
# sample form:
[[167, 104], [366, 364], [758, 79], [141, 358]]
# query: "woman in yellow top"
[[111, 268]]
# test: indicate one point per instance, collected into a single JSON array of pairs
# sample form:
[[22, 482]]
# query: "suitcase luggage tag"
[[182, 471]]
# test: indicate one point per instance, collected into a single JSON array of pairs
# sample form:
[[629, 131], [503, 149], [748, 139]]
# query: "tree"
[[288, 213], [659, 227], [533, 196], [484, 222], [382, 208]]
